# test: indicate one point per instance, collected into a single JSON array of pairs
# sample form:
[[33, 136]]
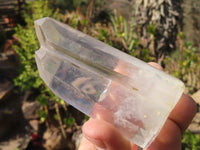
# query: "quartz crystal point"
[[105, 83]]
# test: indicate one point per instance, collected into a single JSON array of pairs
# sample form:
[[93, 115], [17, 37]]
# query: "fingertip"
[[92, 131], [188, 103], [86, 145], [184, 112], [104, 135], [191, 104]]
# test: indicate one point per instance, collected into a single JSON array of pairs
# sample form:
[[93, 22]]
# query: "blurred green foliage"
[[43, 115], [151, 29], [184, 64], [71, 5], [190, 141], [122, 31], [28, 78], [28, 74], [69, 121]]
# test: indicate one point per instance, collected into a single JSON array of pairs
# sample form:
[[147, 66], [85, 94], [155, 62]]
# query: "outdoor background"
[[33, 118]]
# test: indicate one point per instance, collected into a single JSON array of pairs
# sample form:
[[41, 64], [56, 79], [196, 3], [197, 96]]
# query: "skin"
[[99, 134]]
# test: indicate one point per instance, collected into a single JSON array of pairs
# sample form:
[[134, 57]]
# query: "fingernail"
[[96, 142]]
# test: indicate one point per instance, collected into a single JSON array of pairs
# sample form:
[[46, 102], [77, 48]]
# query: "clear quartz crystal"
[[104, 82]]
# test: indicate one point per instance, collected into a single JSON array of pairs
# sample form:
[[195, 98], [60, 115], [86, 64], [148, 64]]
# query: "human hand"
[[100, 134]]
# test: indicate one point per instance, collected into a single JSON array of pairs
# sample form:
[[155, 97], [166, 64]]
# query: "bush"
[[190, 141], [28, 78], [28, 74], [184, 64]]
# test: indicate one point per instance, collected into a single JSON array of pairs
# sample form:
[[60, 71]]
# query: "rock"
[[8, 64], [8, 121], [5, 87], [12, 144], [77, 137], [30, 109], [11, 118], [194, 128], [34, 124], [54, 139], [196, 97], [196, 119]]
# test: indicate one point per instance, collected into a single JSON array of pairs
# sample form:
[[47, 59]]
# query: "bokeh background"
[[33, 118]]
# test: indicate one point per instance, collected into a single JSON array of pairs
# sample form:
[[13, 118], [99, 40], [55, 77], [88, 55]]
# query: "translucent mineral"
[[105, 83]]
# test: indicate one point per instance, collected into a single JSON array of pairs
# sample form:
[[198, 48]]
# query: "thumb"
[[104, 135]]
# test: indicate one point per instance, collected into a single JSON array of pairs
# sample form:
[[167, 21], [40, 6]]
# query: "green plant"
[[122, 31], [128, 41], [144, 54], [151, 29], [43, 114], [28, 74], [28, 78], [69, 121], [185, 64], [190, 141], [63, 4], [116, 33]]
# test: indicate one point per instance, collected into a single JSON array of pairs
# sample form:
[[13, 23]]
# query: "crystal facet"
[[104, 82]]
